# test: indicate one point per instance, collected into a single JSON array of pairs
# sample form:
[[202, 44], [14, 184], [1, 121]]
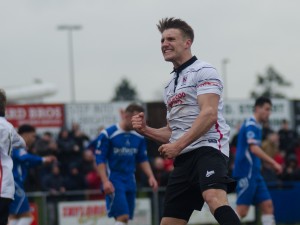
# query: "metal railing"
[[45, 196], [285, 197]]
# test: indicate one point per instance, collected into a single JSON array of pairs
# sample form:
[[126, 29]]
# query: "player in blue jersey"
[[119, 149], [19, 209], [251, 188]]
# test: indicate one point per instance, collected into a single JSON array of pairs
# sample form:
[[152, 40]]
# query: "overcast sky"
[[119, 39]]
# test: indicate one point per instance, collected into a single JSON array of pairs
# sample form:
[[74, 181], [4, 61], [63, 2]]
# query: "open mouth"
[[167, 50]]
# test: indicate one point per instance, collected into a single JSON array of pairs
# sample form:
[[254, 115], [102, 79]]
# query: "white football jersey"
[[9, 139], [195, 78]]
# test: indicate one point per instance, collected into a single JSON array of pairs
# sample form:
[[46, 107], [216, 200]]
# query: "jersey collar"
[[184, 65]]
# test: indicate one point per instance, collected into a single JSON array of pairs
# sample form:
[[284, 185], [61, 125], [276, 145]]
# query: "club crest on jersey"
[[184, 79]]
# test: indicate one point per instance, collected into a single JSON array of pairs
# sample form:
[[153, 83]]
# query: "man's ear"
[[188, 43]]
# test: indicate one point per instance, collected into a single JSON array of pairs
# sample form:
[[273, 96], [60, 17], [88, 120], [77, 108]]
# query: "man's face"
[[173, 45], [264, 112]]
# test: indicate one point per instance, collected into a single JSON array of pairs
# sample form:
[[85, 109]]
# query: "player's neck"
[[256, 117], [123, 126], [184, 58]]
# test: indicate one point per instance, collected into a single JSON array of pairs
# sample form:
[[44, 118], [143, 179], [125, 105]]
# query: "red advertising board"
[[38, 115], [35, 213]]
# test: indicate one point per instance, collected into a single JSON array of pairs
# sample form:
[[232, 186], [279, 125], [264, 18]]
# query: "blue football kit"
[[251, 187], [121, 150], [22, 161]]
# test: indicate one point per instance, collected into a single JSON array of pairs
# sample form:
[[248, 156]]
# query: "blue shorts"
[[122, 201], [252, 191], [20, 204]]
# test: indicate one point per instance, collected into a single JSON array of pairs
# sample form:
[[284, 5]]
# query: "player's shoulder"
[[251, 122], [200, 65], [4, 124], [108, 131]]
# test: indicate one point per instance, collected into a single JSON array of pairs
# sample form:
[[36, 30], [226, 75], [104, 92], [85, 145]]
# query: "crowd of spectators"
[[283, 146], [76, 169]]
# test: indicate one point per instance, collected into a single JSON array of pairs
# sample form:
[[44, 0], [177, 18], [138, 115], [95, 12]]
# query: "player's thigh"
[[20, 204], [262, 193], [130, 196], [246, 189], [181, 199], [215, 198], [172, 221], [116, 203]]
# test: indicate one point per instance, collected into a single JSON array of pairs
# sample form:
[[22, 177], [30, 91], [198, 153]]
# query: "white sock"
[[25, 221], [120, 223], [13, 221], [268, 219]]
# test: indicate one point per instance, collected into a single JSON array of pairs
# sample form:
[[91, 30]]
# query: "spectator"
[[89, 169], [54, 183], [271, 147], [75, 180], [80, 138], [287, 138], [46, 145], [290, 171], [266, 129], [87, 163], [160, 173], [69, 151]]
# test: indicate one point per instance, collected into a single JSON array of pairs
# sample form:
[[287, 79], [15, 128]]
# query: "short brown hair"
[[169, 23], [133, 107], [2, 102]]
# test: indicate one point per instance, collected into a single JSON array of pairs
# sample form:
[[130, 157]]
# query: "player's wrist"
[[106, 181]]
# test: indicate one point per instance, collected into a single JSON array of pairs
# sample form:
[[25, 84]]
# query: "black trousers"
[[4, 210]]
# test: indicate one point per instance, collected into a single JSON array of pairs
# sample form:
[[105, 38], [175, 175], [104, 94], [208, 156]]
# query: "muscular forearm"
[[161, 135]]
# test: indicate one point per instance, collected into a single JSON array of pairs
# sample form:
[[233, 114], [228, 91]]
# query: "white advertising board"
[[94, 213], [236, 111], [91, 116]]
